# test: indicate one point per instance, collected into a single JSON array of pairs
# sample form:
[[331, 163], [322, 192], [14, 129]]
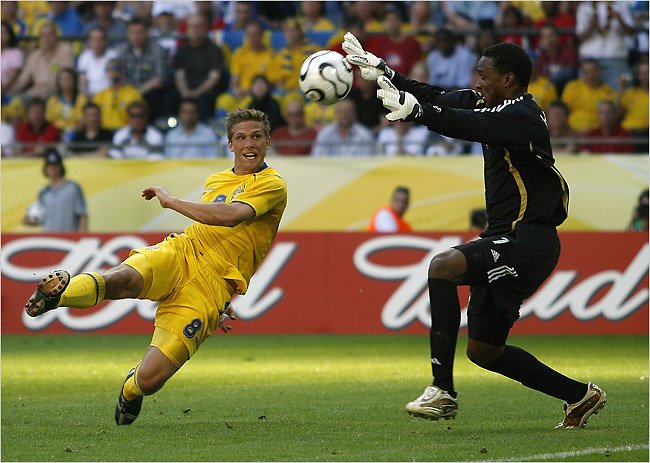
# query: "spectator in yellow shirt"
[[582, 96], [65, 107], [318, 116], [634, 100], [249, 60], [31, 10], [542, 89], [633, 104], [114, 100], [311, 19], [288, 60]]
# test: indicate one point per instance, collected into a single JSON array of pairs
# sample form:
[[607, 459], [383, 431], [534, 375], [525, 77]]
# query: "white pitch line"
[[577, 453], [630, 167]]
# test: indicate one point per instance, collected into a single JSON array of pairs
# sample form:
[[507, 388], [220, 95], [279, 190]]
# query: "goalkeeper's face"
[[249, 144], [491, 84]]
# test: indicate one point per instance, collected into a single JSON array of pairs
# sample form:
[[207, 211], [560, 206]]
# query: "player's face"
[[490, 83], [249, 144]]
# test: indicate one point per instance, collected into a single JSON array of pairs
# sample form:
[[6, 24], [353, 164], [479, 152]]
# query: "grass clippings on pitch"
[[312, 398]]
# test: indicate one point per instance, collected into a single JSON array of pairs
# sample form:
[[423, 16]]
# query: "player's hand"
[[371, 66], [402, 105], [228, 314], [157, 192]]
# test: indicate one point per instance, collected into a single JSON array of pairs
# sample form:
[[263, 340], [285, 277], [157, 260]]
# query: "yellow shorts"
[[190, 297]]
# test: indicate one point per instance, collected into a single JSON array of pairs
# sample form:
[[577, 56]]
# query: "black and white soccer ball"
[[325, 77]]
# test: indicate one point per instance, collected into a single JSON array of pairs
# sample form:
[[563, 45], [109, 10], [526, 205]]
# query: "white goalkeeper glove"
[[402, 105], [371, 66]]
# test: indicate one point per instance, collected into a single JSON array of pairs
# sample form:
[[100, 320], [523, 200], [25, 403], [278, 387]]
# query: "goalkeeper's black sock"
[[517, 364], [443, 335]]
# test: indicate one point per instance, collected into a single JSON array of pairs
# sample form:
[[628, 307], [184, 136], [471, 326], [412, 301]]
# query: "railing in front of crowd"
[[220, 149]]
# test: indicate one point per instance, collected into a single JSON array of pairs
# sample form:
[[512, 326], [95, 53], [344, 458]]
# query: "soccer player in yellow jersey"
[[193, 274]]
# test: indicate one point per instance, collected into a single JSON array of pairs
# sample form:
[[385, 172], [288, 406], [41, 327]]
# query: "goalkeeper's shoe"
[[433, 404], [576, 415], [48, 293], [126, 411]]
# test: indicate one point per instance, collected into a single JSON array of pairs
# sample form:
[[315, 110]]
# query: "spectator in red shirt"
[[295, 138], [36, 129], [557, 62], [512, 19], [609, 127], [400, 51], [562, 16]]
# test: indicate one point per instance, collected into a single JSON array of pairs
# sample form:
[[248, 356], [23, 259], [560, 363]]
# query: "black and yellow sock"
[[131, 390], [84, 290]]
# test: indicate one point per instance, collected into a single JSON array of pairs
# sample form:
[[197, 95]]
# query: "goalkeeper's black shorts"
[[504, 270]]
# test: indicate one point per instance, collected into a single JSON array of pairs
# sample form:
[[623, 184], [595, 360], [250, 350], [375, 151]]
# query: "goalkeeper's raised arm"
[[372, 67]]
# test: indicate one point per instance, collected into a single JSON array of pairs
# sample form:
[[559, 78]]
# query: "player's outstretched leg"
[[433, 404], [577, 414], [126, 411], [48, 293]]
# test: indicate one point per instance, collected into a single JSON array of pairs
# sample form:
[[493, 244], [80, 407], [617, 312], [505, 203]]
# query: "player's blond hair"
[[244, 115]]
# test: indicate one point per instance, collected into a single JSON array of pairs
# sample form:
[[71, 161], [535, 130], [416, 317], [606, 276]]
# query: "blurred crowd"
[[141, 79]]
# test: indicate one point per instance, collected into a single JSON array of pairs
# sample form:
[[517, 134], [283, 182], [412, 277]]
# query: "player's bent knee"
[[122, 282], [154, 370], [476, 358], [448, 265], [150, 382], [483, 354]]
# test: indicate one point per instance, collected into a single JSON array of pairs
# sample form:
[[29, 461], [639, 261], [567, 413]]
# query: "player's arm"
[[431, 94], [226, 215], [509, 126], [486, 126]]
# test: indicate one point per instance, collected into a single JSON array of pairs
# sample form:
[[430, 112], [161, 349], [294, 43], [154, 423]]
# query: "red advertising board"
[[343, 283]]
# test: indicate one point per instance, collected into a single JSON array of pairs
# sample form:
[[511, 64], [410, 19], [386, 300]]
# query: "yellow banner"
[[326, 194]]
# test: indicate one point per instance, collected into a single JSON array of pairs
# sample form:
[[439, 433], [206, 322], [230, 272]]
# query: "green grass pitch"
[[312, 398]]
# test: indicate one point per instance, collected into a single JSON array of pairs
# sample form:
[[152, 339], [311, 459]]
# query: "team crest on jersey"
[[240, 189], [220, 199]]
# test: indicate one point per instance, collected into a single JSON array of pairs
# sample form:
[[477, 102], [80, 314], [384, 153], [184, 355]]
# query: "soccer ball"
[[35, 213], [325, 77]]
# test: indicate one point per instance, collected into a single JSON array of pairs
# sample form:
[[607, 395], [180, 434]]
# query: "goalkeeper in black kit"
[[526, 198]]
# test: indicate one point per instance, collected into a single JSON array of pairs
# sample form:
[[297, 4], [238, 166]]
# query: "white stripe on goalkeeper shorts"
[[500, 271]]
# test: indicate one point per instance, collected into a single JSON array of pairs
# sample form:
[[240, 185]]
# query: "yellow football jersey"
[[235, 252]]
